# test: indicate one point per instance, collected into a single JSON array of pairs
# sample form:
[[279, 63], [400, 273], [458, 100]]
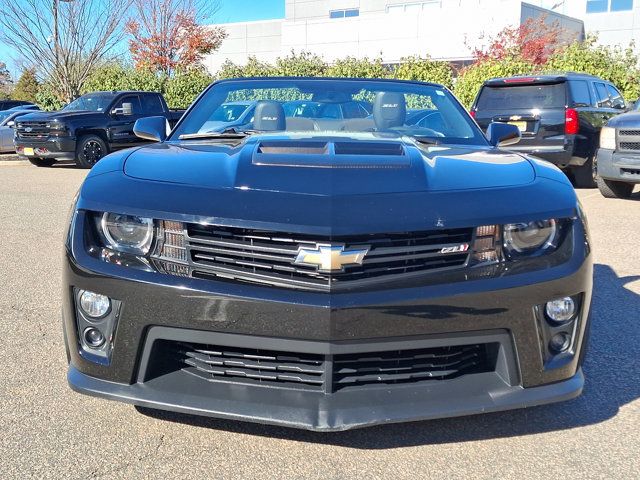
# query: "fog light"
[[94, 304], [560, 342], [561, 310], [93, 337]]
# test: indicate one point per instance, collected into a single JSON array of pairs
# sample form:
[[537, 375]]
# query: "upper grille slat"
[[268, 257]]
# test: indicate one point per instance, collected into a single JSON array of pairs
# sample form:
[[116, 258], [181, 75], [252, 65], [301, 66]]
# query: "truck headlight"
[[127, 233], [529, 237], [608, 138], [58, 129]]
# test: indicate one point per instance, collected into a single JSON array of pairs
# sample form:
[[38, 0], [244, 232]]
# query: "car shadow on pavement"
[[612, 380]]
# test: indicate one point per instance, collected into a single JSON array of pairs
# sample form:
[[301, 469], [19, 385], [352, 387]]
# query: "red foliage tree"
[[533, 41], [167, 34]]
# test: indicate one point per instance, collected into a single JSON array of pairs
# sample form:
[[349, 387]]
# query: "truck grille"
[[268, 257], [32, 130], [330, 373], [629, 140]]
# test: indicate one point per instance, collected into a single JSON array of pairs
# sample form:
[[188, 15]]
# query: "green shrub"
[[304, 64], [618, 65], [253, 68], [424, 70], [351, 67], [182, 89], [47, 98]]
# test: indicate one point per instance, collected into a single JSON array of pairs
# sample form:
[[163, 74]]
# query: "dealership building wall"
[[392, 29]]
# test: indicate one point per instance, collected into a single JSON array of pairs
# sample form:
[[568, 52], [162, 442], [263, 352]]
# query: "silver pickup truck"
[[619, 155]]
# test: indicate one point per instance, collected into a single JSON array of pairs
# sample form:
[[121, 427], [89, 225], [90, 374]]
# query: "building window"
[[345, 13], [621, 5], [602, 6], [413, 7]]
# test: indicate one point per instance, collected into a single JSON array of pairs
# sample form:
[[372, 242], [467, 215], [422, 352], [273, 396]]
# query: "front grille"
[[267, 257], [630, 145], [629, 140], [329, 373], [32, 130]]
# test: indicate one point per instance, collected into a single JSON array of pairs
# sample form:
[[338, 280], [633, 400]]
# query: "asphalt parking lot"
[[47, 431]]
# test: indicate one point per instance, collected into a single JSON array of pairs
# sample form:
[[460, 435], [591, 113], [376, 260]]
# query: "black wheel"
[[585, 175], [613, 189], [42, 162], [90, 149]]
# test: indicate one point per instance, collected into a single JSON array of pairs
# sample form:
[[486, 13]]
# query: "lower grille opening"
[[325, 373]]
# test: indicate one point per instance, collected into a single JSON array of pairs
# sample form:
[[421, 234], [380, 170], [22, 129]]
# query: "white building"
[[617, 22], [392, 29]]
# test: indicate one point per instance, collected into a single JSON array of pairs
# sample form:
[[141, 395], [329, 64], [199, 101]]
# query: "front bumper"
[[500, 309], [624, 167], [59, 148]]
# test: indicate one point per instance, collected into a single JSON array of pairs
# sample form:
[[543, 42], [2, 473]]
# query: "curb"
[[15, 162]]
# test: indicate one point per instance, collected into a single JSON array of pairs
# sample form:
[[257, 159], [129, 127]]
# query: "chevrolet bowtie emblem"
[[330, 258]]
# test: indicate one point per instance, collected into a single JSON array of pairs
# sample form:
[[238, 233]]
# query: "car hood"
[[327, 166], [631, 119], [59, 115]]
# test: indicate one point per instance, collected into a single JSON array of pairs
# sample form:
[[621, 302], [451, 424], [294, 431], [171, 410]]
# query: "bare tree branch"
[[87, 32]]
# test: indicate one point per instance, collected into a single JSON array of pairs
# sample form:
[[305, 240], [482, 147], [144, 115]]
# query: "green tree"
[[27, 86]]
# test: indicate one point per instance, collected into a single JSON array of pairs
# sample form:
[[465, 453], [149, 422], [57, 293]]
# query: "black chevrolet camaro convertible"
[[327, 273]]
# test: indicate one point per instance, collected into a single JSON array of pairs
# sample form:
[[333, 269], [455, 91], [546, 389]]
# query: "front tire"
[[89, 151], [585, 175], [42, 162], [613, 189]]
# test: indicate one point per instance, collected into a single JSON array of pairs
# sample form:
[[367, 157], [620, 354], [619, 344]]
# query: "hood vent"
[[331, 154]]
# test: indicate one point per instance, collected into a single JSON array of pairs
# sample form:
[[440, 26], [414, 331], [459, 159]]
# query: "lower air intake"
[[328, 373]]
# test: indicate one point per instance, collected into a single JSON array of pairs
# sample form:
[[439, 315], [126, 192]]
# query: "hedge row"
[[181, 89], [617, 65]]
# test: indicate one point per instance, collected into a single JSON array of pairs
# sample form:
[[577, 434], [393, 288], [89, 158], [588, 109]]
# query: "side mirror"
[[151, 128], [503, 134], [127, 110]]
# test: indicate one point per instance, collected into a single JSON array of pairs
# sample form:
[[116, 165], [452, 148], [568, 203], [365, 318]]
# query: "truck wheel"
[[613, 189], [585, 175], [42, 162], [90, 149]]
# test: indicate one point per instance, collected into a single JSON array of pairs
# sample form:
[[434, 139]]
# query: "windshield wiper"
[[232, 133]]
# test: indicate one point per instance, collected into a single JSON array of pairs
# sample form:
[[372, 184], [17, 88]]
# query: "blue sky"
[[230, 11]]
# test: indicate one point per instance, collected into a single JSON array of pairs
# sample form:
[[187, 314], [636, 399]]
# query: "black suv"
[[560, 116]]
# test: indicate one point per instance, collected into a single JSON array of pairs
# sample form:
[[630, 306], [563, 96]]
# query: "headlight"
[[127, 233], [529, 238], [608, 138], [58, 129]]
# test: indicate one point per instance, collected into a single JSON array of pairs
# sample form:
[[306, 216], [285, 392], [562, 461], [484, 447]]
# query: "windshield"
[[4, 116], [325, 106], [228, 112], [94, 102], [523, 96]]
